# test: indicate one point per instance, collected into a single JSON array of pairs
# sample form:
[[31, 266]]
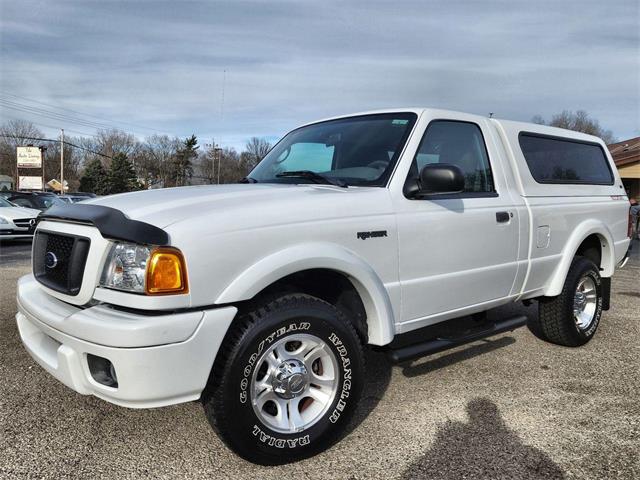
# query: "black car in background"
[[38, 200], [76, 197], [83, 194]]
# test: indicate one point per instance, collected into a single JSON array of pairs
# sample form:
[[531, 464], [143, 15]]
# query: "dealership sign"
[[30, 183], [29, 157]]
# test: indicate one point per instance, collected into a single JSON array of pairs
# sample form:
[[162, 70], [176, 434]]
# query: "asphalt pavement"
[[14, 253], [511, 406]]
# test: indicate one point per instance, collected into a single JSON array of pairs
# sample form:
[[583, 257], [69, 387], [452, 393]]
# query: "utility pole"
[[43, 155], [213, 159], [62, 160], [218, 153], [218, 149]]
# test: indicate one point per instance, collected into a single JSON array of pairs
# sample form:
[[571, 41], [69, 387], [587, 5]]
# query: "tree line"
[[579, 121], [114, 161]]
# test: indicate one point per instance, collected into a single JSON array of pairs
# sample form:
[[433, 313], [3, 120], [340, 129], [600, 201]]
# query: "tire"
[[269, 357], [557, 322]]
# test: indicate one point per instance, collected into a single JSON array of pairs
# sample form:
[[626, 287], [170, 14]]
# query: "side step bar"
[[411, 352]]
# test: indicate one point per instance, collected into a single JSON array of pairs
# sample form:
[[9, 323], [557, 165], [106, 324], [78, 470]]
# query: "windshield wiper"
[[247, 180], [313, 176]]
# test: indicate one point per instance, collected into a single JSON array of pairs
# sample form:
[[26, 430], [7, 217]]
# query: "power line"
[[56, 141], [29, 110], [51, 114], [32, 108], [68, 129], [54, 116], [113, 122], [84, 148]]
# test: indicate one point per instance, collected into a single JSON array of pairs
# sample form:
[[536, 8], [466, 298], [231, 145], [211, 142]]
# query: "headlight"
[[142, 269], [126, 267], [3, 221]]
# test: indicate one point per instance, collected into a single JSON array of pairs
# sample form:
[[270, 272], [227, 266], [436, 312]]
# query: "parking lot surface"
[[508, 407]]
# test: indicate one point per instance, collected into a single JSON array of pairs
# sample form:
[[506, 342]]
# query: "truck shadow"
[[484, 447], [379, 368], [379, 373]]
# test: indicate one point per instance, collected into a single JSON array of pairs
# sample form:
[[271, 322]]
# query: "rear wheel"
[[571, 319], [287, 380]]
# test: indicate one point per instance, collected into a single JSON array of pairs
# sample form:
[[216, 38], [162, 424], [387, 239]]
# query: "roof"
[[435, 112], [625, 152]]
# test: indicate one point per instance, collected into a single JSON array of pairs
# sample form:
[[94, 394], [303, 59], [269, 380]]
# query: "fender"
[[380, 319], [582, 231]]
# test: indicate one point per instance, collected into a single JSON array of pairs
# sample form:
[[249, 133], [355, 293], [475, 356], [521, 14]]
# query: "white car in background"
[[16, 222]]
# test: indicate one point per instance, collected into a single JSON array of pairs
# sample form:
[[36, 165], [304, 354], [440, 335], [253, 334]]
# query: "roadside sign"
[[29, 157], [30, 183], [56, 185]]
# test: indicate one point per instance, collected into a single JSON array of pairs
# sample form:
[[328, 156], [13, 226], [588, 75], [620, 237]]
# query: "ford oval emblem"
[[50, 260]]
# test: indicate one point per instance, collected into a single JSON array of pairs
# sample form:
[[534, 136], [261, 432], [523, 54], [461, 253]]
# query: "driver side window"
[[457, 143]]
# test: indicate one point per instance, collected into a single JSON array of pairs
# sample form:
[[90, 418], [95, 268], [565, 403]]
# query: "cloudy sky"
[[152, 66]]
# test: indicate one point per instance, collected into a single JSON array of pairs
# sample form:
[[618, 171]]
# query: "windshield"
[[45, 201], [355, 151], [5, 203]]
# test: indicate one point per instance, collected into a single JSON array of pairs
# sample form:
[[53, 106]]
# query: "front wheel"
[[571, 319], [287, 380]]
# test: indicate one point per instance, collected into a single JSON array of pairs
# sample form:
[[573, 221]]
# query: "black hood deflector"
[[112, 223]]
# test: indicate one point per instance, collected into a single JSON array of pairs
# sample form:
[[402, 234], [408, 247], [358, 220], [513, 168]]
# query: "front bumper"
[[14, 233], [159, 359]]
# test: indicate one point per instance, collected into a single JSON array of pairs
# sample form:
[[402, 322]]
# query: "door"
[[456, 251]]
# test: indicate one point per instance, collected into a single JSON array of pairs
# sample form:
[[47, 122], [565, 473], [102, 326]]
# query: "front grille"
[[59, 260], [29, 223], [24, 223]]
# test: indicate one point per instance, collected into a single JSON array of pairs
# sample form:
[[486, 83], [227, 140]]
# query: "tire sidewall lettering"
[[346, 378], [276, 440], [598, 313]]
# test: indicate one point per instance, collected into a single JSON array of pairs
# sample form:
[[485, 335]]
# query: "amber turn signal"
[[166, 272]]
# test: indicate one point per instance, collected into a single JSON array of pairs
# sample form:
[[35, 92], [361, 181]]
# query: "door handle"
[[502, 217]]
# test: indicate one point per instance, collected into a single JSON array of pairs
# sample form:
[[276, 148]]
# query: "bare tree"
[[255, 150], [113, 141], [207, 165], [16, 133], [230, 163], [230, 168], [87, 145], [155, 159], [578, 121]]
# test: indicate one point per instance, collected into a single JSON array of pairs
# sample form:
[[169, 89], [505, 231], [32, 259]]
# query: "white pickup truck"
[[258, 298]]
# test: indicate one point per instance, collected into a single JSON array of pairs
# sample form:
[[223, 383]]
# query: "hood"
[[254, 203], [18, 212]]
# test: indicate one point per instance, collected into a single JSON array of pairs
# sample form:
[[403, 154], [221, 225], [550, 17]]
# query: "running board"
[[411, 352]]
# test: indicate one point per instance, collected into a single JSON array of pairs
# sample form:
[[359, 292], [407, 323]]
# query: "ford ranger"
[[372, 229]]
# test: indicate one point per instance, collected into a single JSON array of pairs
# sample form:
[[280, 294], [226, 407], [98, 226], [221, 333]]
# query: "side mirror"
[[437, 179]]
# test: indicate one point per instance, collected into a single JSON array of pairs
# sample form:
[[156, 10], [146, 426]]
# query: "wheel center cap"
[[579, 300], [290, 379]]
